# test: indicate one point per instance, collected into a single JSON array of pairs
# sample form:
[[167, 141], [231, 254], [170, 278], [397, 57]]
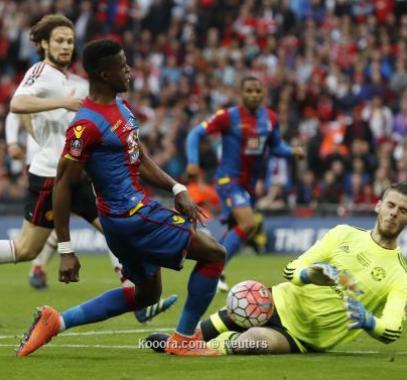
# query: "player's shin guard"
[[233, 240], [110, 304], [201, 290]]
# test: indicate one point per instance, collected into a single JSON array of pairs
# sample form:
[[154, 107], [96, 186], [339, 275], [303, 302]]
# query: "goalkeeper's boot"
[[152, 311], [38, 278], [181, 345], [45, 326], [222, 286]]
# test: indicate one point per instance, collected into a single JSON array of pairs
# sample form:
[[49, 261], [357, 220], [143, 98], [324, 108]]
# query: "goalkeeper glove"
[[359, 317]]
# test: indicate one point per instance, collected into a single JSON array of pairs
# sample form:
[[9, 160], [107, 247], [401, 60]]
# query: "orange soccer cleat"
[[178, 344], [45, 326]]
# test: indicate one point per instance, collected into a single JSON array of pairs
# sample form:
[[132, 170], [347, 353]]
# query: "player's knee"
[[217, 253]]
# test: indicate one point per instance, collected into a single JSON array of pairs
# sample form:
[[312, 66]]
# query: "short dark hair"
[[248, 79], [42, 29], [96, 53], [400, 187]]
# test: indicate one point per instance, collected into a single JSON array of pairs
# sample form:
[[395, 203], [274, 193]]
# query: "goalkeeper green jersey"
[[315, 316]]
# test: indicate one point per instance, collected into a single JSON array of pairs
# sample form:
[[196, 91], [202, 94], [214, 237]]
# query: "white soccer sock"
[[49, 248], [7, 251]]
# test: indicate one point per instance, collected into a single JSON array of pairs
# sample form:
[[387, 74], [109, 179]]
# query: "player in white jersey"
[[50, 95], [15, 145]]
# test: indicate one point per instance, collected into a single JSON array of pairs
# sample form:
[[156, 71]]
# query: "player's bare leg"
[[254, 341], [26, 246]]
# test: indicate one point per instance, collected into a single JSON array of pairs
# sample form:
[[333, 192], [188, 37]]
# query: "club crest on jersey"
[[78, 130], [378, 273], [76, 148], [30, 80]]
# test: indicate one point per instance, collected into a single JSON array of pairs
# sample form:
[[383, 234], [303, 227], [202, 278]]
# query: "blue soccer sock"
[[232, 241], [113, 302], [201, 290]]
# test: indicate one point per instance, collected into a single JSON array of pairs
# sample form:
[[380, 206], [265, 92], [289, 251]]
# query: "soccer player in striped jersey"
[[49, 95], [250, 133], [103, 138], [350, 281]]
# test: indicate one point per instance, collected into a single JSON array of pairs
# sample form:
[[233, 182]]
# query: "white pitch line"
[[103, 346], [103, 332]]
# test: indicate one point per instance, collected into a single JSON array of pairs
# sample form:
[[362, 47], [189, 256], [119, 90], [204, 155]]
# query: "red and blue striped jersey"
[[246, 139], [105, 139]]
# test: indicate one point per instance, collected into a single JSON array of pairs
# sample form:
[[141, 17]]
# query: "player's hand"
[[192, 171], [69, 268], [15, 151], [321, 274], [298, 152], [186, 206], [71, 103], [359, 317]]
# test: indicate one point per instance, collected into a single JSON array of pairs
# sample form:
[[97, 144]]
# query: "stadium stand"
[[335, 73]]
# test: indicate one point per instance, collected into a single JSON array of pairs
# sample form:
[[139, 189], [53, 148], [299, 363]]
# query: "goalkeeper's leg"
[[227, 337], [260, 340]]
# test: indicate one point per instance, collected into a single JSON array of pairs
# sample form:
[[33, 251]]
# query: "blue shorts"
[[153, 237], [232, 195]]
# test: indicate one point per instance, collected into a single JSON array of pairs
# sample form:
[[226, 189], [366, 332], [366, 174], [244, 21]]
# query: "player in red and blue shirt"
[[249, 133], [104, 140]]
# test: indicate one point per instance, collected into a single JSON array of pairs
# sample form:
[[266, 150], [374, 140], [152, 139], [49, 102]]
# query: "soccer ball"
[[249, 304]]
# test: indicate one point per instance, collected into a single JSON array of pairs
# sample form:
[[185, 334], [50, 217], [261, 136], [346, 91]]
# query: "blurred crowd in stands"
[[334, 70]]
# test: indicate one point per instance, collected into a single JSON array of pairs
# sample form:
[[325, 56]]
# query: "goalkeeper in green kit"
[[350, 281]]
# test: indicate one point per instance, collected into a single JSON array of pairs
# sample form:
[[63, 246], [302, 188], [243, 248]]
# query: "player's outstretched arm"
[[21, 104], [68, 174]]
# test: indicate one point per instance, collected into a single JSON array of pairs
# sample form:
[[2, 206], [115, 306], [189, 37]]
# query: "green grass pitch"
[[109, 350]]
